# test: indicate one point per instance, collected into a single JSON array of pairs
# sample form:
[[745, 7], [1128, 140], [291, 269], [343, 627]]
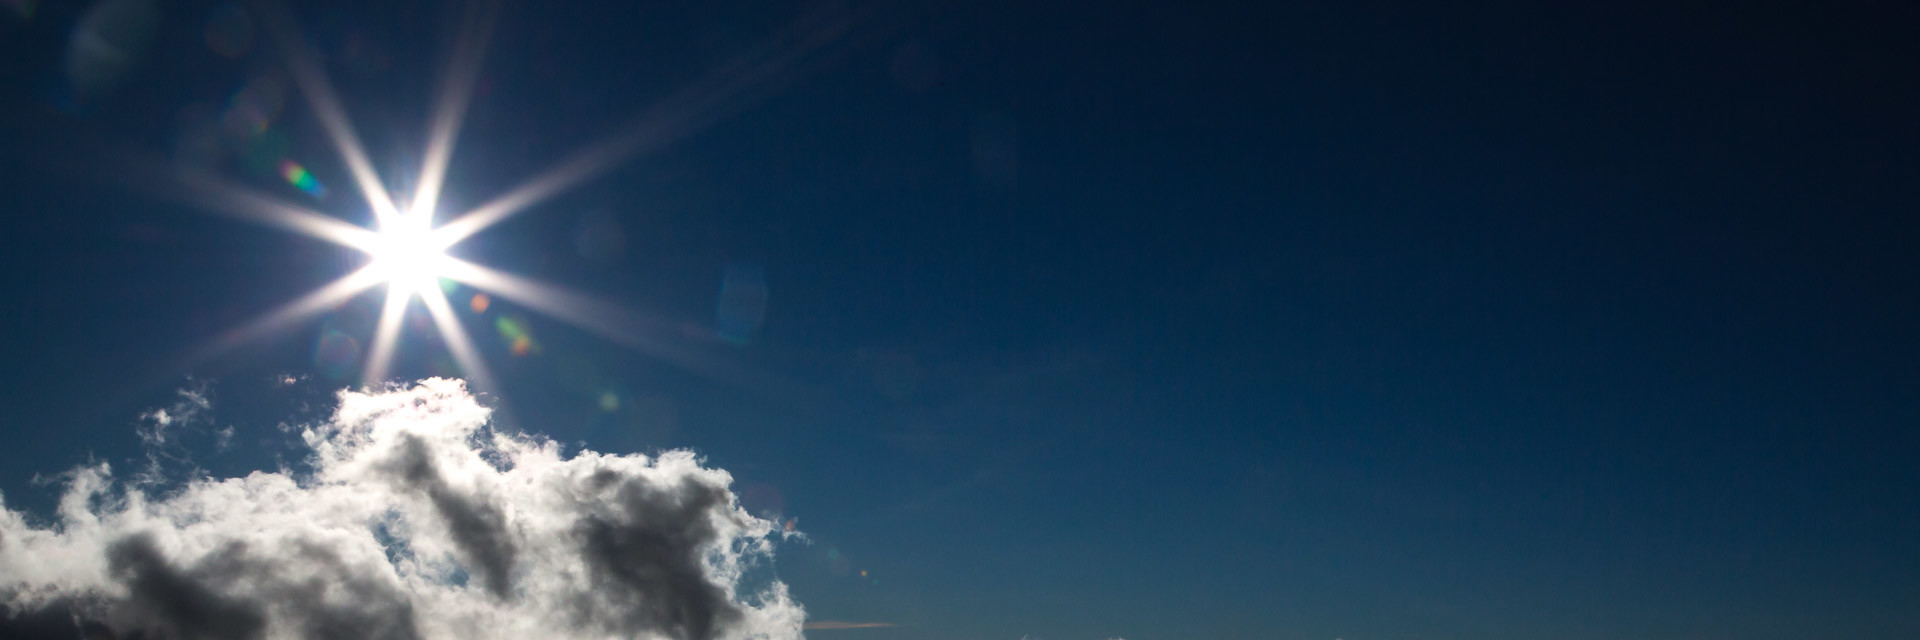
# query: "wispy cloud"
[[161, 430], [415, 520], [191, 402]]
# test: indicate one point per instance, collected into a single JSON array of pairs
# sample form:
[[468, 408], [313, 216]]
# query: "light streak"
[[386, 336], [451, 108], [408, 252], [718, 94], [316, 301], [326, 105], [457, 342]]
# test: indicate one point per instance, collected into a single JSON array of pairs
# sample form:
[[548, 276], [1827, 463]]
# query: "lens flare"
[[301, 179], [407, 251]]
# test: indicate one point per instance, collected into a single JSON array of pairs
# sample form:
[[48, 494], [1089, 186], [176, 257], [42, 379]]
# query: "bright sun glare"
[[407, 255], [408, 251]]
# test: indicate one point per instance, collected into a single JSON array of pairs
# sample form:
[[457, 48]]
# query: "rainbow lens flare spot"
[[301, 179]]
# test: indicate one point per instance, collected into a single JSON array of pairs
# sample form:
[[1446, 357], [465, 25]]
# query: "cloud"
[[163, 432], [841, 624], [414, 521], [191, 403]]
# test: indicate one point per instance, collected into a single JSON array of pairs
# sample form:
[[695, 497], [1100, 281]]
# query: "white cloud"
[[191, 403], [161, 431], [416, 521]]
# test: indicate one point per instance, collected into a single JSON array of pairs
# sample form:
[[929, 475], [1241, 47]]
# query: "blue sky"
[[1070, 321]]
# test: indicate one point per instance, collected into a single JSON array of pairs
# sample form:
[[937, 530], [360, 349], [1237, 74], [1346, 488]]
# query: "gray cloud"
[[415, 521], [478, 527], [182, 604], [646, 549]]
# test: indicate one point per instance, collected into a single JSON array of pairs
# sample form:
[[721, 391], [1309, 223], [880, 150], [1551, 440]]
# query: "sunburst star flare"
[[408, 242]]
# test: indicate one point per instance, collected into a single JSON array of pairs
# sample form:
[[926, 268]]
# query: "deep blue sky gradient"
[[1095, 320]]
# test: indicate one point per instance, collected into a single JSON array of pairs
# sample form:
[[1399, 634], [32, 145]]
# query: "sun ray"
[[456, 337], [610, 321], [408, 251], [720, 93], [316, 301], [145, 173], [225, 198], [386, 336], [451, 108], [622, 326], [326, 105]]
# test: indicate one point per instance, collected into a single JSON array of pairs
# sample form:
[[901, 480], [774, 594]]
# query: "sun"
[[408, 252], [407, 256]]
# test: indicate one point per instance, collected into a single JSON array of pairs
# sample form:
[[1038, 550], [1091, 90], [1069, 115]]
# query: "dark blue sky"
[[1093, 320]]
